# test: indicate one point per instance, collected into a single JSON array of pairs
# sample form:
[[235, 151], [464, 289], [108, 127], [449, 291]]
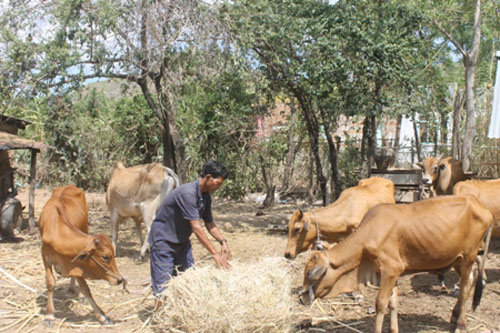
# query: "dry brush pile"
[[251, 297]]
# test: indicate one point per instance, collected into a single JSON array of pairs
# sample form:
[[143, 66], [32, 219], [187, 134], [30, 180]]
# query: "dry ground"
[[423, 307]]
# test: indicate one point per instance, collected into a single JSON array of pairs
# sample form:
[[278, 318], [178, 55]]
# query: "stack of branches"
[[251, 297]]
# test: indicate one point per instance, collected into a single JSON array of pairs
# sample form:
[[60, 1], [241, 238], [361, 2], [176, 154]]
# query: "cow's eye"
[[297, 230], [105, 258]]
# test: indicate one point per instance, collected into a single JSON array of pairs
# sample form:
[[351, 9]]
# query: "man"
[[178, 217]]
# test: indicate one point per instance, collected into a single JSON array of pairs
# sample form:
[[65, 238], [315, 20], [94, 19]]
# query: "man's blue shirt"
[[183, 204]]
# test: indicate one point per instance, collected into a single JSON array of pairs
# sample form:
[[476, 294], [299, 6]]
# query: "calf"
[[137, 192], [71, 251], [338, 219], [426, 236]]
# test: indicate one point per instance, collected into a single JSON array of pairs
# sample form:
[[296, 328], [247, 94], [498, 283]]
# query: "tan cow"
[[338, 219], [488, 193], [137, 192], [71, 251], [426, 236], [441, 174]]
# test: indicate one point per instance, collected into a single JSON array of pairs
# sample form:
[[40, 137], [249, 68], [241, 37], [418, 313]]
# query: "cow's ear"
[[87, 251], [300, 214], [316, 272], [419, 165], [82, 255]]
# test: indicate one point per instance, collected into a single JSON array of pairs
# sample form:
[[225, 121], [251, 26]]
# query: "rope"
[[317, 228]]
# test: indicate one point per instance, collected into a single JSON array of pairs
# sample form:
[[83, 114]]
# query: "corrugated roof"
[[11, 141]]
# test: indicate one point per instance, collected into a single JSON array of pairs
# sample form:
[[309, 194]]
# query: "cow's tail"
[[478, 290], [171, 182]]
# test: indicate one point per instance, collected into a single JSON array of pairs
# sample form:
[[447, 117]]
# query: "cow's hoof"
[[105, 320], [49, 321], [139, 260], [455, 292], [360, 299], [108, 322], [459, 329]]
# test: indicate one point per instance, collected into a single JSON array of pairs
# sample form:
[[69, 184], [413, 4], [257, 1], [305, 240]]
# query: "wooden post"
[[31, 221]]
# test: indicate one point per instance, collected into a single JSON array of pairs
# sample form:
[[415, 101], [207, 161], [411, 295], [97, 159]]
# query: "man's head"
[[213, 174]]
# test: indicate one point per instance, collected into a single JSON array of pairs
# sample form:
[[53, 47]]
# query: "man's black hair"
[[214, 168]]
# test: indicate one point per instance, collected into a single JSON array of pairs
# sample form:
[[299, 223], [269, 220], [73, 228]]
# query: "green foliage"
[[139, 129], [216, 119], [349, 163]]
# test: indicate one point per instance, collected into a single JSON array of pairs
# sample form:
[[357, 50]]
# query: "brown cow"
[[426, 236], [338, 219], [488, 193], [71, 251], [441, 174], [137, 192]]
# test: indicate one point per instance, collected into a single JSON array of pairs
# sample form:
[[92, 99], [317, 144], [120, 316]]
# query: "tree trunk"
[[368, 146], [290, 155], [457, 115], [365, 170], [418, 148], [395, 146], [310, 192], [335, 185], [312, 129], [268, 182], [470, 124]]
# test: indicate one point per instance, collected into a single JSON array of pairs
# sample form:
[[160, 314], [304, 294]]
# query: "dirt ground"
[[423, 306]]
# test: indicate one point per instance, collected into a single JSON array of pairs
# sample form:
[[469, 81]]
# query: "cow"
[[441, 174], [137, 192], [338, 219], [488, 194], [431, 235], [71, 251]]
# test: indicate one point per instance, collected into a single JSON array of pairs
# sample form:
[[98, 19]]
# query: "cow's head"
[[97, 260], [301, 234], [322, 278], [315, 277], [431, 169]]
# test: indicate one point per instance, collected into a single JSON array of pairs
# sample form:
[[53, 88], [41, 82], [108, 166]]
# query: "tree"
[[147, 43], [468, 47]]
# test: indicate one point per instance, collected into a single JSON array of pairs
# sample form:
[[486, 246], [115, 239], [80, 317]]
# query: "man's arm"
[[202, 237], [214, 231]]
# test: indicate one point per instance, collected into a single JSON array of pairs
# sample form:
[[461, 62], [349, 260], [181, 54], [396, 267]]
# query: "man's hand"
[[225, 252], [221, 262]]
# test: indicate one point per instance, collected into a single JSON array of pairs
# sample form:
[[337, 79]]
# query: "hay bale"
[[251, 297]]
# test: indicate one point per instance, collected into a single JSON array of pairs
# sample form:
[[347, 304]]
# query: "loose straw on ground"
[[251, 297]]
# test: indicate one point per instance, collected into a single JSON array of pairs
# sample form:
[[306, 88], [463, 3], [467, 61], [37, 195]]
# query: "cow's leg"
[[393, 305], [383, 296], [72, 287], [116, 220], [100, 315], [51, 285], [458, 319], [148, 211], [138, 230]]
